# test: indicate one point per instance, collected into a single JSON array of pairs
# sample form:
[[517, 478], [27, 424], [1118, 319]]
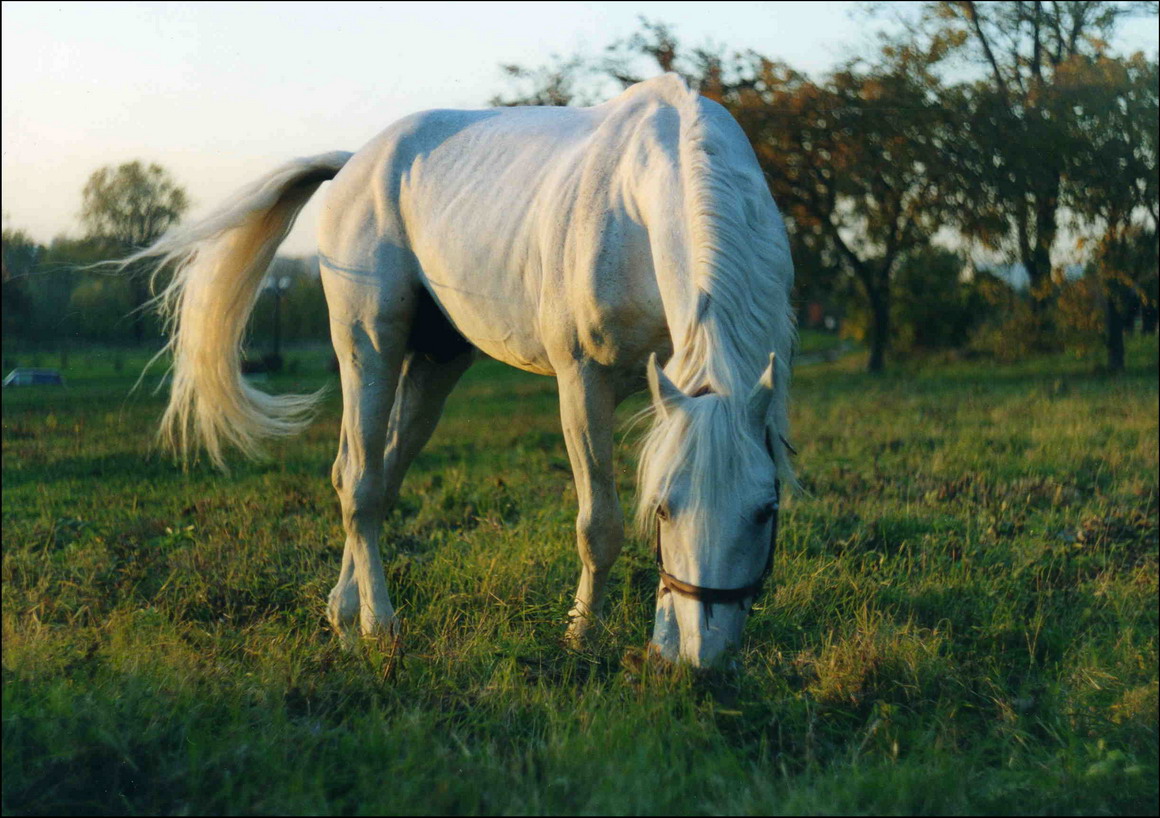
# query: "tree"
[[1110, 179], [128, 208], [1012, 154], [21, 256], [854, 161]]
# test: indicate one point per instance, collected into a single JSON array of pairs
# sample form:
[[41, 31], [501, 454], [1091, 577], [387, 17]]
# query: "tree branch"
[[1036, 45], [973, 16]]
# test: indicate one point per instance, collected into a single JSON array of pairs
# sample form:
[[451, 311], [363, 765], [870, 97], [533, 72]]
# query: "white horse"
[[575, 242]]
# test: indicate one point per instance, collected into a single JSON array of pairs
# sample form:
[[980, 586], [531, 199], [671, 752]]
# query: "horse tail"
[[220, 262]]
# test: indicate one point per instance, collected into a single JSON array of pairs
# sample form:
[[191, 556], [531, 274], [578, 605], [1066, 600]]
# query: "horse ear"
[[762, 395], [665, 393]]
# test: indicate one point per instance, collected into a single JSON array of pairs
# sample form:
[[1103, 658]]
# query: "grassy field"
[[962, 616]]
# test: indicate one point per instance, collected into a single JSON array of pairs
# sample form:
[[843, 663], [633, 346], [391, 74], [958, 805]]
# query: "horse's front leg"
[[587, 403]]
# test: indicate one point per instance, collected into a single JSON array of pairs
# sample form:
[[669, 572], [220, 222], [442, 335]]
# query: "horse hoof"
[[348, 634], [579, 634], [387, 629], [657, 655]]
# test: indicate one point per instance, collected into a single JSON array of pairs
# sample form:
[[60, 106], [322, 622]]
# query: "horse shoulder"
[[610, 276]]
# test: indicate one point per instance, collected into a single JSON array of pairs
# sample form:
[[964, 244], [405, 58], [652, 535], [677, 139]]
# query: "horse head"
[[709, 498]]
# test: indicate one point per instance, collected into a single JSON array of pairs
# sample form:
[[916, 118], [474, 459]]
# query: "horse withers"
[[583, 243]]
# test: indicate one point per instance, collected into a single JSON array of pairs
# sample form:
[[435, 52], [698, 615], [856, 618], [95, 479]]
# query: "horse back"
[[528, 227]]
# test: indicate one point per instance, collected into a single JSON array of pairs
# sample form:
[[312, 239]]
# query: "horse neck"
[[709, 317], [684, 301], [723, 271], [722, 264]]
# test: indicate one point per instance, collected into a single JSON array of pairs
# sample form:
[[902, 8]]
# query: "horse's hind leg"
[[422, 389], [369, 373], [371, 314]]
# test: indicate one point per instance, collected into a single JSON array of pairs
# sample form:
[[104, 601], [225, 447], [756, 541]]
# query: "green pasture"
[[962, 617]]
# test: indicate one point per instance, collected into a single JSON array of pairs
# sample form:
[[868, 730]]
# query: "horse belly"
[[494, 313], [472, 261], [530, 315]]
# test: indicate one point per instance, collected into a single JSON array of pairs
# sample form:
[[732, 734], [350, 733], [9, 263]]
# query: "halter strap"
[[709, 596]]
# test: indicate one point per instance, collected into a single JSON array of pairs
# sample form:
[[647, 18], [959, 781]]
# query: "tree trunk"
[[880, 328], [140, 297], [1038, 270], [1114, 329], [1037, 255], [1149, 316]]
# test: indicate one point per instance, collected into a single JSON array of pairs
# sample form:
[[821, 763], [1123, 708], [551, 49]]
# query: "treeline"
[[985, 181], [62, 294], [52, 298]]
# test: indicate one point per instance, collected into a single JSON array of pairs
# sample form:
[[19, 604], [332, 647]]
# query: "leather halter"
[[709, 596]]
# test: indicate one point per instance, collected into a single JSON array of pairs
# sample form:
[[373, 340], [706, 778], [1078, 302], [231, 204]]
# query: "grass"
[[962, 616]]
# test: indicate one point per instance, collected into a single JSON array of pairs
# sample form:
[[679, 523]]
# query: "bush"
[[1013, 329], [1079, 320], [1066, 316], [932, 307]]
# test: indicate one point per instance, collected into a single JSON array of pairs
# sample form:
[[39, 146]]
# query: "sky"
[[220, 93]]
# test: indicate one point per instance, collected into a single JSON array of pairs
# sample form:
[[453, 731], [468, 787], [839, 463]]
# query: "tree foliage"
[[131, 205], [128, 208], [854, 161], [1015, 134], [1110, 180]]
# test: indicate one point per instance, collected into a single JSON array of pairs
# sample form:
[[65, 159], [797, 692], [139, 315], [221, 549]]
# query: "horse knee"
[[343, 604], [599, 535], [361, 495]]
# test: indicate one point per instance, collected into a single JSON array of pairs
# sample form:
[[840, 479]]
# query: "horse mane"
[[742, 274]]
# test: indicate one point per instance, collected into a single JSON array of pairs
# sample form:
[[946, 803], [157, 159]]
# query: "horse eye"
[[663, 511], [765, 512]]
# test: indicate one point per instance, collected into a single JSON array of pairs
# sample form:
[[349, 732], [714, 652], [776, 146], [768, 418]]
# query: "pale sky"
[[220, 93]]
